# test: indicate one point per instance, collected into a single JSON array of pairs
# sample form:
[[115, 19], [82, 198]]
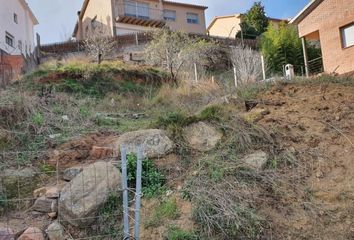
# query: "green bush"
[[175, 233], [152, 180], [167, 209]]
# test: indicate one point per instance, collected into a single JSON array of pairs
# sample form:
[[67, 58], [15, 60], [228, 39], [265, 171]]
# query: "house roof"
[[306, 11], [31, 14], [185, 4]]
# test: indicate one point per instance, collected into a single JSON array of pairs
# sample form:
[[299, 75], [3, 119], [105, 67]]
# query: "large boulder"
[[202, 136], [6, 234], [70, 173], [55, 231], [19, 183], [32, 233], [155, 142], [81, 199], [256, 160]]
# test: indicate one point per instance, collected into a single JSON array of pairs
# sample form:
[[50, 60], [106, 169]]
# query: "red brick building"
[[332, 23]]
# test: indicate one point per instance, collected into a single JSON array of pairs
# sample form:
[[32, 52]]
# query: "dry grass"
[[189, 97]]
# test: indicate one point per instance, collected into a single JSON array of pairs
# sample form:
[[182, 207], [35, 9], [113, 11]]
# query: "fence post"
[[235, 77], [138, 193], [125, 192], [213, 79], [196, 72], [136, 39], [263, 67]]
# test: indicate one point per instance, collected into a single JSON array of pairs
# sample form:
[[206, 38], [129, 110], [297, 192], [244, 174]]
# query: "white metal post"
[[125, 192], [263, 67], [235, 77], [138, 192], [196, 72]]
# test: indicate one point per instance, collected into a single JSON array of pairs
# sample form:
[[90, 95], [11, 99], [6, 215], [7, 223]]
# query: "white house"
[[16, 27]]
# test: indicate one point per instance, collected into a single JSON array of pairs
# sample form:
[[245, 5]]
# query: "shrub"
[[152, 180], [175, 233], [166, 209], [248, 65]]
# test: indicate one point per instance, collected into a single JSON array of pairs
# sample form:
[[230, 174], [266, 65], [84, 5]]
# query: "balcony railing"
[[139, 14]]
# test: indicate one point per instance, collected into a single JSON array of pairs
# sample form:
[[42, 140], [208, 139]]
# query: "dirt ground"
[[317, 121]]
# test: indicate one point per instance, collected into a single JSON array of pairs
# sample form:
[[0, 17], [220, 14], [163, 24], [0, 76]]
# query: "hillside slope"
[[317, 120]]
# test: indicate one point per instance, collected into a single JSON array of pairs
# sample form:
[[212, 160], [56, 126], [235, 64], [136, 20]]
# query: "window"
[[9, 39], [169, 15], [347, 33], [192, 18], [137, 9], [15, 18]]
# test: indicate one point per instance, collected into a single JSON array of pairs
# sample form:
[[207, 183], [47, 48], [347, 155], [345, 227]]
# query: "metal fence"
[[140, 38], [52, 201]]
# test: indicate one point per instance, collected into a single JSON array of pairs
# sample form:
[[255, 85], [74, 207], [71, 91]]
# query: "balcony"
[[139, 14]]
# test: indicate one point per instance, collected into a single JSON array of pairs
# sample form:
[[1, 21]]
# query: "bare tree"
[[98, 44], [178, 52], [248, 64], [165, 50]]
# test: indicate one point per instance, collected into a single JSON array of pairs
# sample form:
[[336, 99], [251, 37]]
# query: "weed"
[[210, 113], [38, 119], [175, 233], [47, 169], [152, 179], [167, 209], [109, 218]]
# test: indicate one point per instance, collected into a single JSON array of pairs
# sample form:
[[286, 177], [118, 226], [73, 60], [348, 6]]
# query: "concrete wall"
[[225, 27], [326, 20], [21, 31], [102, 13]]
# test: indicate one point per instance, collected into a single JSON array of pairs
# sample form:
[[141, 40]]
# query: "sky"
[[57, 18]]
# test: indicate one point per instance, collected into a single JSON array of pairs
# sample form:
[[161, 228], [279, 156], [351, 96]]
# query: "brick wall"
[[16, 62], [327, 19]]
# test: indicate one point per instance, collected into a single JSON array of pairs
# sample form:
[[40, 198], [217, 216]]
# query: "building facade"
[[332, 23], [120, 17], [16, 28], [228, 26]]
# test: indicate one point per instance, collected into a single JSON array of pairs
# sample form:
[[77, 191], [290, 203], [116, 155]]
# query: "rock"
[[45, 205], [256, 160], [71, 173], [202, 136], [32, 233], [65, 118], [52, 214], [53, 136], [48, 192], [154, 142], [16, 182], [40, 192], [55, 231], [6, 234], [81, 199], [52, 192], [255, 115]]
